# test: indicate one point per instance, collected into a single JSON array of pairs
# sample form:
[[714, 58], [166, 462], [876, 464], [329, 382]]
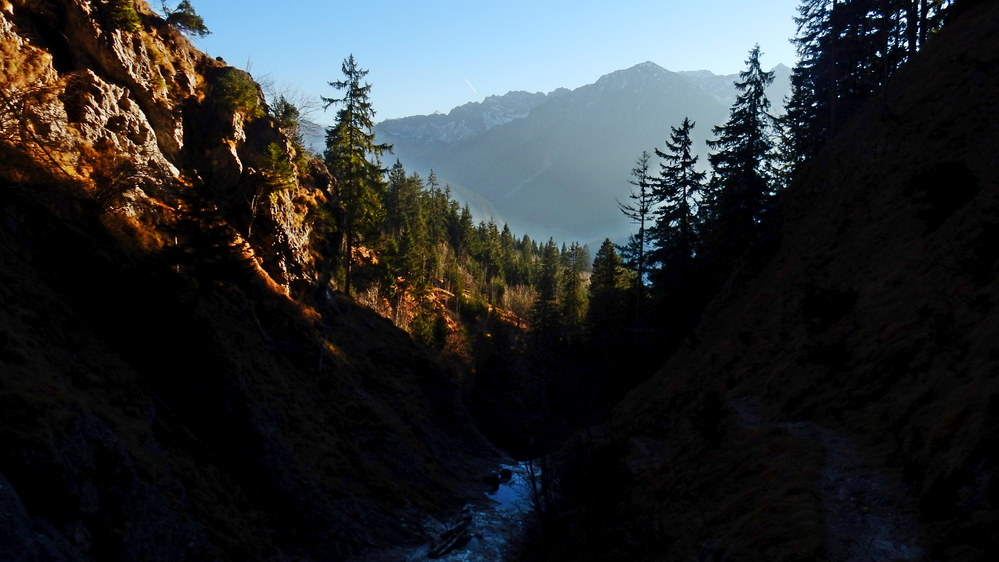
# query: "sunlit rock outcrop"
[[172, 384]]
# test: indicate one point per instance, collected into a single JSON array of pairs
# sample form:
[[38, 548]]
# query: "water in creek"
[[495, 523]]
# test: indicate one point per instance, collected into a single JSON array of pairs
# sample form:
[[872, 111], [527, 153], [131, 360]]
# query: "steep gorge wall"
[[162, 394], [877, 316], [875, 324], [119, 111]]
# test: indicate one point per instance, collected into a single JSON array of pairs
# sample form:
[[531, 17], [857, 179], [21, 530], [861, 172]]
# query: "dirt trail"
[[868, 515]]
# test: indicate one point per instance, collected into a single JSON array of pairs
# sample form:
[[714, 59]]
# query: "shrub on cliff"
[[124, 16], [235, 89]]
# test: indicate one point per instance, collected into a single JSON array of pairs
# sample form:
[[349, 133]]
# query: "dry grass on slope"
[[165, 405]]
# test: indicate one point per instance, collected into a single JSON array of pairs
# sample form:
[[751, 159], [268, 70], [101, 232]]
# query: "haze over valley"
[[556, 164]]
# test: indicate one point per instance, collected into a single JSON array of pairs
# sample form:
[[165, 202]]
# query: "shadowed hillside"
[[842, 403], [175, 380]]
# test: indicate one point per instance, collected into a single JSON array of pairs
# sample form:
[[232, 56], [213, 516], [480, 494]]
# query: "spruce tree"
[[405, 225], [640, 211], [847, 50], [546, 318], [352, 156], [742, 186], [491, 260], [402, 199], [572, 298], [606, 292], [463, 234], [290, 119], [678, 191], [526, 254], [808, 120], [436, 202], [514, 273]]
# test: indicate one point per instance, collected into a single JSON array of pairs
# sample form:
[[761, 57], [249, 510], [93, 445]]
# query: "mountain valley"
[[216, 344], [556, 164]]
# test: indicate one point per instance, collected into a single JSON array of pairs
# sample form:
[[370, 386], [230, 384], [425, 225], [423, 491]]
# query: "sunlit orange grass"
[[307, 312]]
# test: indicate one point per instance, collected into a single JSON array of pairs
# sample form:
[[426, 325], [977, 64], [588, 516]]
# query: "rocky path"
[[868, 515]]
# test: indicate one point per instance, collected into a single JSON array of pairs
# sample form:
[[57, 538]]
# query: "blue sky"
[[426, 56]]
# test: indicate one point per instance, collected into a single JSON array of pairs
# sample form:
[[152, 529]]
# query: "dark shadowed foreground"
[[870, 342], [174, 384]]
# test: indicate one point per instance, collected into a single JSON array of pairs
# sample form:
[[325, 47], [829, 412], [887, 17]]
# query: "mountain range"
[[556, 164]]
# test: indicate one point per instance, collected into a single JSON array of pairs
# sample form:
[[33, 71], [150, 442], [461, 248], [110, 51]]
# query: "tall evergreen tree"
[[606, 293], [810, 107], [512, 267], [847, 50], [640, 211], [437, 202], [402, 199], [437, 207], [546, 320], [678, 190], [527, 252], [352, 156], [491, 252], [405, 226], [572, 300], [463, 234], [742, 187]]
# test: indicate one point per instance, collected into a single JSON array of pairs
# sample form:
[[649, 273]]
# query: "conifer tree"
[[606, 292], [809, 109], [402, 199], [437, 206], [185, 19], [489, 249], [406, 225], [545, 316], [527, 252], [640, 212], [678, 191], [289, 117], [513, 269], [742, 187], [352, 156], [463, 234], [575, 260], [414, 256], [847, 50]]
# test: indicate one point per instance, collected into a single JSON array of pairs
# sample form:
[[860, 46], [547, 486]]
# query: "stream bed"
[[493, 524]]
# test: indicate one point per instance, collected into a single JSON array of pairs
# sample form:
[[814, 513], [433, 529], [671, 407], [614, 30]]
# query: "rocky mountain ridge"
[[475, 118], [463, 122], [571, 145]]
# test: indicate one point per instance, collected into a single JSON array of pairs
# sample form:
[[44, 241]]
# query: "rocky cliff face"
[[117, 110], [173, 382]]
